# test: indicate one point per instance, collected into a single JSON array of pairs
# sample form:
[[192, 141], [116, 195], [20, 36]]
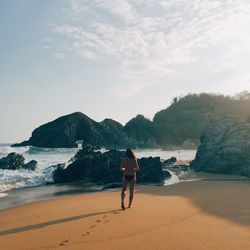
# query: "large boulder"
[[150, 170], [31, 165], [103, 168], [225, 148], [12, 161]]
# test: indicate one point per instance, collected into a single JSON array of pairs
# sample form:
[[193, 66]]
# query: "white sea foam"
[[6, 149], [3, 195], [45, 157], [187, 155], [175, 179], [171, 180]]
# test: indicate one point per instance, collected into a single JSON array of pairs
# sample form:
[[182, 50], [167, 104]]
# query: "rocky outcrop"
[[225, 148], [141, 132], [14, 161], [179, 125], [169, 161], [103, 168], [184, 121], [67, 130], [112, 134], [31, 165]]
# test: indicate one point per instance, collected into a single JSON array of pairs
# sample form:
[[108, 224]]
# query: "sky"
[[115, 58]]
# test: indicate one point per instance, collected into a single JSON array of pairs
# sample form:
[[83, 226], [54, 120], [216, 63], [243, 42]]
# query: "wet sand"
[[212, 214], [20, 196]]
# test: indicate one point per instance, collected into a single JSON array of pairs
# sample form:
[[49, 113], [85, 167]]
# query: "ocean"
[[46, 157]]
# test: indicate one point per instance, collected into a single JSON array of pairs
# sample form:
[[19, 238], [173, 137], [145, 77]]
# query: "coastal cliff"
[[225, 148]]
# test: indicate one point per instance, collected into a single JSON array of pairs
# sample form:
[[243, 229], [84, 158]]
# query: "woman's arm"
[[122, 167], [136, 166]]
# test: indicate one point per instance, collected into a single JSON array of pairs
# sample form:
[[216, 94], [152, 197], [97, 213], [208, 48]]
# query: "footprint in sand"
[[116, 212], [93, 226], [106, 221], [98, 221], [63, 242]]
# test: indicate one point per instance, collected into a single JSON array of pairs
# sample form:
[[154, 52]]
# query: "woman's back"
[[129, 166]]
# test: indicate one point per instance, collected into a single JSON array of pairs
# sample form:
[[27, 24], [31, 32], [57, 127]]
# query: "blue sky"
[[115, 58]]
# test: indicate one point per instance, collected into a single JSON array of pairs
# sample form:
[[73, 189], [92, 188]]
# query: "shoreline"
[[191, 215], [26, 195]]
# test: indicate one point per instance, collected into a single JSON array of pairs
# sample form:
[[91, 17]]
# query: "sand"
[[198, 215]]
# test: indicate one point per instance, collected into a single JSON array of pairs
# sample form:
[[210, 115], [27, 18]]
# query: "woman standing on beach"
[[129, 167]]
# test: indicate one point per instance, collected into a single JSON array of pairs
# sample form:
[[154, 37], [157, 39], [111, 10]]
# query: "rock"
[[184, 121], [150, 170], [225, 148], [169, 161], [22, 144], [103, 168], [65, 131], [167, 174], [12, 161], [141, 132], [112, 134], [31, 165]]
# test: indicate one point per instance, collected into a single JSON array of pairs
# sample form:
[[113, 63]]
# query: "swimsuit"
[[129, 177]]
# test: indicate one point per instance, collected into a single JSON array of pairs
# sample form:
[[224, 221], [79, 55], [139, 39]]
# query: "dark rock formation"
[[31, 165], [225, 148], [184, 121], [103, 168], [150, 170], [22, 144], [112, 134], [141, 132], [169, 161], [12, 161], [67, 130], [179, 125]]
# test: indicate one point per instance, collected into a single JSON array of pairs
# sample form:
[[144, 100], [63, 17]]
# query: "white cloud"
[[120, 8], [154, 37]]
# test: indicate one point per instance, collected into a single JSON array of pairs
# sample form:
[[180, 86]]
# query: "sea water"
[[47, 157]]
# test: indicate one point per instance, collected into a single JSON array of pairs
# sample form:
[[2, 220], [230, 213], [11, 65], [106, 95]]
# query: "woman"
[[129, 167]]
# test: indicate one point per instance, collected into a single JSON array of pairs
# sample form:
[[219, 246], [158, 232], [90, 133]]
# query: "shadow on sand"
[[53, 222], [228, 199]]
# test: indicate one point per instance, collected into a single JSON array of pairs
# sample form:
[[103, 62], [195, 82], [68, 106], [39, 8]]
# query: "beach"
[[212, 214]]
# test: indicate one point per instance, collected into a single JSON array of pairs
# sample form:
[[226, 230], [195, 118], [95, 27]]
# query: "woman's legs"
[[131, 192], [123, 193]]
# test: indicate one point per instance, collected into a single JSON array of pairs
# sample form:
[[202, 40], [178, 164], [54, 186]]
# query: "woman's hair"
[[130, 153]]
